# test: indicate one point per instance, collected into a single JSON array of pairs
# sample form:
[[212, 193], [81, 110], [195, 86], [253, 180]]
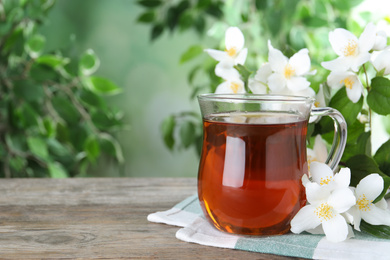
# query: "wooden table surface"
[[97, 218]]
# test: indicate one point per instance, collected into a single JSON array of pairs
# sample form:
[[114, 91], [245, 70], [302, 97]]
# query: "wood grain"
[[97, 218]]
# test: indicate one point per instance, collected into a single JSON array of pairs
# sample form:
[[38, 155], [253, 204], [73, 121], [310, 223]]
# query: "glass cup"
[[253, 159]]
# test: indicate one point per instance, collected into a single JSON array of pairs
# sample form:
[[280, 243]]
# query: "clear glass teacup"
[[253, 159]]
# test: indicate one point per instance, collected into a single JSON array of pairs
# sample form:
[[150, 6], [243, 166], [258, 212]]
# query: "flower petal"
[[257, 87], [370, 186], [276, 59], [336, 229], [356, 62], [217, 54], [343, 178], [241, 57], [305, 219], [342, 199], [225, 70], [276, 82], [356, 216], [367, 38], [320, 149], [320, 172], [263, 73], [297, 84], [234, 38], [300, 62], [376, 216], [356, 91], [339, 39], [337, 64], [381, 61], [315, 194], [382, 204]]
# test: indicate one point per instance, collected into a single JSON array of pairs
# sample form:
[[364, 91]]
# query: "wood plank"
[[97, 218]]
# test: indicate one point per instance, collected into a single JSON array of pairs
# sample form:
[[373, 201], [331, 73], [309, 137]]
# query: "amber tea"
[[248, 181]]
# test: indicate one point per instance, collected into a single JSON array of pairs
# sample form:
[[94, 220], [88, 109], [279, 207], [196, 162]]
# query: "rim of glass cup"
[[255, 97]]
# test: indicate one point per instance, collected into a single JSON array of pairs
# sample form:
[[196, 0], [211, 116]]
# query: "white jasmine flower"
[[324, 210], [350, 80], [235, 51], [319, 153], [320, 97], [380, 40], [368, 189], [225, 70], [381, 61], [323, 175], [288, 74], [231, 86], [352, 52], [258, 84]]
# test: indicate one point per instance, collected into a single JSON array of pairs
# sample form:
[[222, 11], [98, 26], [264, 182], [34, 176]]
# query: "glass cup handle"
[[340, 134]]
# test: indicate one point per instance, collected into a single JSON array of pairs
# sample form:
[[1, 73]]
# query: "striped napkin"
[[195, 228]]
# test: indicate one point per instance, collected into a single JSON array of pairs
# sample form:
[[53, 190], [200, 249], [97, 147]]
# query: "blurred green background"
[[154, 83]]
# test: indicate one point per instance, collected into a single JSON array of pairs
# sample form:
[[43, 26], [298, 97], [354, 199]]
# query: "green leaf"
[[52, 60], [42, 73], [89, 63], [378, 97], [102, 86], [382, 157], [200, 24], [91, 98], [49, 128], [261, 4], [110, 145], [57, 171], [187, 133], [157, 31], [17, 163], [362, 165], [65, 109], [186, 21], [150, 3], [244, 72], [342, 103], [347, 108], [34, 46], [146, 17], [315, 22], [167, 128], [192, 52], [215, 9], [380, 231], [92, 148], [38, 147], [27, 90]]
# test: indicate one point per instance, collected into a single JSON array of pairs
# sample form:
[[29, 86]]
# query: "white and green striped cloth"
[[195, 228]]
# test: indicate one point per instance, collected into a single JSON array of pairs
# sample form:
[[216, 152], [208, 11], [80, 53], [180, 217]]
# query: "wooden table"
[[97, 218]]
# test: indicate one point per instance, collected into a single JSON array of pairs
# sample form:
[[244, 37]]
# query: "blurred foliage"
[[55, 121]]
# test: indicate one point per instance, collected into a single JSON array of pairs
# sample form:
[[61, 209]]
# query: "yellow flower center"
[[326, 180], [288, 71], [317, 104], [351, 48], [363, 203], [324, 212], [347, 82], [232, 51], [234, 86]]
